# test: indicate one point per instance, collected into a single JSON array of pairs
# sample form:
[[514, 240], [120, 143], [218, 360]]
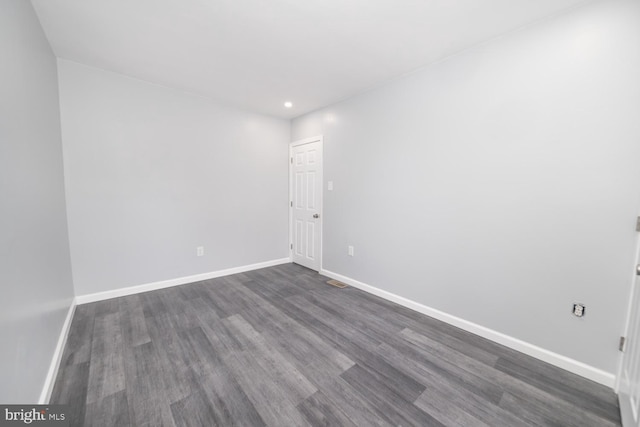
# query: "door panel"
[[306, 203], [299, 238]]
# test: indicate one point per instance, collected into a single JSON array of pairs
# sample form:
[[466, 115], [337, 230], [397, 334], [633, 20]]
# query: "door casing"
[[630, 335], [318, 139]]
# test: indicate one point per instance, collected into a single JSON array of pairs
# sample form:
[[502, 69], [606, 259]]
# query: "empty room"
[[320, 213]]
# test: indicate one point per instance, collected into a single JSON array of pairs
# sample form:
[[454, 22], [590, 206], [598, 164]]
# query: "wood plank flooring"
[[279, 347]]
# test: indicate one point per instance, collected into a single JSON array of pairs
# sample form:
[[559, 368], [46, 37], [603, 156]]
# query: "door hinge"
[[622, 341], [292, 160], [292, 246], [291, 204], [638, 224]]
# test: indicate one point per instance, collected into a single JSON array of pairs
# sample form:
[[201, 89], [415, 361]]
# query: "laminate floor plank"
[[320, 411], [404, 385], [274, 284], [173, 358], [203, 310], [177, 308], [434, 373], [359, 319], [229, 403], [454, 404], [194, 410], [557, 383], [516, 386], [153, 304], [148, 404], [271, 361], [250, 363], [71, 389], [363, 309], [279, 347], [441, 408], [388, 403], [550, 412], [302, 346], [106, 369], [270, 399], [364, 339], [111, 411], [224, 293], [433, 327], [347, 399], [103, 308], [132, 321], [348, 342]]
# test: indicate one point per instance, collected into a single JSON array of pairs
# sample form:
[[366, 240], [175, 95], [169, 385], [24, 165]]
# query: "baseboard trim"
[[49, 381], [566, 363], [121, 292]]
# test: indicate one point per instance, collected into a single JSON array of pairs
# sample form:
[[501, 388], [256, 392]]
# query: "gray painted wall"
[[500, 185], [152, 173], [35, 270]]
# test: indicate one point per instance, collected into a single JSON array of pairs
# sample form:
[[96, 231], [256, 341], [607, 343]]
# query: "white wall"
[[500, 185], [152, 173], [35, 271]]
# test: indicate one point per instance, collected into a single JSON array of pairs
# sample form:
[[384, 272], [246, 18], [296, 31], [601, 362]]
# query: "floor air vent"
[[337, 284]]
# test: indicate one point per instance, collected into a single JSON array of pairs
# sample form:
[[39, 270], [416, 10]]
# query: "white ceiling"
[[256, 54]]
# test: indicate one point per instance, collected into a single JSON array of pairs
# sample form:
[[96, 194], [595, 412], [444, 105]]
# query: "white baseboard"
[[566, 363], [121, 292], [45, 395]]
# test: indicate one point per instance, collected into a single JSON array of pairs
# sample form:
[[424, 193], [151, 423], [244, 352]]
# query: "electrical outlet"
[[350, 250], [200, 251], [579, 310]]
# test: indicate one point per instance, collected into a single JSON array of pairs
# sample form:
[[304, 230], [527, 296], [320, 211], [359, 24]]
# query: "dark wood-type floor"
[[279, 347]]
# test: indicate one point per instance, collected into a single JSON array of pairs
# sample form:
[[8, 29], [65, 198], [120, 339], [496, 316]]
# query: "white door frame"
[[625, 409], [292, 145], [627, 323]]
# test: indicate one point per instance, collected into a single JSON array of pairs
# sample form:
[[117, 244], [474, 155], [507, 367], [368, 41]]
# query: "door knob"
[[318, 216], [638, 270]]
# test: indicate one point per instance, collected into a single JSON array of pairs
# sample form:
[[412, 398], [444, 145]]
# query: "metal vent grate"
[[337, 284]]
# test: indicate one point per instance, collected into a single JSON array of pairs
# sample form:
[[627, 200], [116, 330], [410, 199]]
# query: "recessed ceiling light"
[[288, 104]]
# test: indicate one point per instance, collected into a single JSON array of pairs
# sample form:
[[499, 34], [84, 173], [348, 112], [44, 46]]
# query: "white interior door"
[[306, 202], [629, 375]]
